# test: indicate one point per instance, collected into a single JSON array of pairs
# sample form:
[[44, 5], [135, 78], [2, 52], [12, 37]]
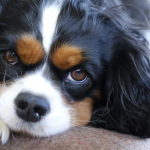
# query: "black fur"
[[126, 88]]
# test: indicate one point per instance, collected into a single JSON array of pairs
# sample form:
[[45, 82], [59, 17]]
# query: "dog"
[[68, 63]]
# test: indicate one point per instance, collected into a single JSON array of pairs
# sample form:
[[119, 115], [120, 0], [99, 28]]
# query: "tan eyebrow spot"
[[67, 56], [30, 50], [81, 112]]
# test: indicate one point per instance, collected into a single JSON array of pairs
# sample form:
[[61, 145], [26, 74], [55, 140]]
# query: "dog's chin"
[[41, 129]]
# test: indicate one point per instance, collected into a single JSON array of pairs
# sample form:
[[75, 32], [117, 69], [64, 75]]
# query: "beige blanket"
[[81, 138]]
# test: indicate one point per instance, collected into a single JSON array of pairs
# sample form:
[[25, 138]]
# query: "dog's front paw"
[[4, 132]]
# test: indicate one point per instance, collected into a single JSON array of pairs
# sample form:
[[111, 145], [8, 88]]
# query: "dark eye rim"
[[77, 90]]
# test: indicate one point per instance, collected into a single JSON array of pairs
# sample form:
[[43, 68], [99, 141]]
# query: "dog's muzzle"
[[30, 107]]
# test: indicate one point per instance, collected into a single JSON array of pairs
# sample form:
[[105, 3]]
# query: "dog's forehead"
[[65, 56], [45, 25], [32, 49]]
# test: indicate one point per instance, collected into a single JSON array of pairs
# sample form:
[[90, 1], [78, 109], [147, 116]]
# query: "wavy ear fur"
[[126, 90]]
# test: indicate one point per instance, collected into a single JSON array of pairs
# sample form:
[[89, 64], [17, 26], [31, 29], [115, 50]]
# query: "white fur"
[[56, 121], [49, 22]]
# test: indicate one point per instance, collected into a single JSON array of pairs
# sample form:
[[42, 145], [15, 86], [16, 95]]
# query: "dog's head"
[[59, 60]]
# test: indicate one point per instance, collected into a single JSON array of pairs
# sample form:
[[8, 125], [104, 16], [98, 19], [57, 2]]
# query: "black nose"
[[30, 107]]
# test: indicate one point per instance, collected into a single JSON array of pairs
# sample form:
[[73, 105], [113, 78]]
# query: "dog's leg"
[[4, 132]]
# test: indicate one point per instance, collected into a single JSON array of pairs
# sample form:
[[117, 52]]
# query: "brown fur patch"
[[67, 56], [81, 112], [98, 94], [30, 50], [2, 87]]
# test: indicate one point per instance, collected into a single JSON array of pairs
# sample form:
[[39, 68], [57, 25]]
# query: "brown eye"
[[79, 75], [10, 57]]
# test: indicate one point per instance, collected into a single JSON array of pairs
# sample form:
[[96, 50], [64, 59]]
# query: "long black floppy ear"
[[126, 88]]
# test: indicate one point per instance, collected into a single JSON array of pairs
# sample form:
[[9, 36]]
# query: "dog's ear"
[[128, 76], [125, 92], [127, 87]]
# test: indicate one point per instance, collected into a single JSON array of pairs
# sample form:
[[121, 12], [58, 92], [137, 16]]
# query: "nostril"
[[41, 111], [22, 105]]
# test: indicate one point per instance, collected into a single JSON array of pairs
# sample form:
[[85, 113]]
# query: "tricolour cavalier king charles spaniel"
[[67, 63]]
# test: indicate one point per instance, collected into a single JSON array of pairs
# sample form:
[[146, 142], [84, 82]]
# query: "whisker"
[[8, 76], [4, 76]]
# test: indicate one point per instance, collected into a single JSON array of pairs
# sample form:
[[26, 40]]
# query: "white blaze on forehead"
[[49, 22]]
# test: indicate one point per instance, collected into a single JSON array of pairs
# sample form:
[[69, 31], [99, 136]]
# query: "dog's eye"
[[77, 75], [10, 57]]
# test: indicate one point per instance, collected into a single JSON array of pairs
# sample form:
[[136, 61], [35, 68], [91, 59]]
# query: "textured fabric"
[[81, 138]]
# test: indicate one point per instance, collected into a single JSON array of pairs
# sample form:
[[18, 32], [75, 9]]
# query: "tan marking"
[[67, 56], [30, 50], [4, 86], [81, 112], [1, 89], [98, 94]]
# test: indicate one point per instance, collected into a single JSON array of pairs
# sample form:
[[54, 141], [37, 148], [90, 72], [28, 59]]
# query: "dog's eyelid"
[[4, 47]]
